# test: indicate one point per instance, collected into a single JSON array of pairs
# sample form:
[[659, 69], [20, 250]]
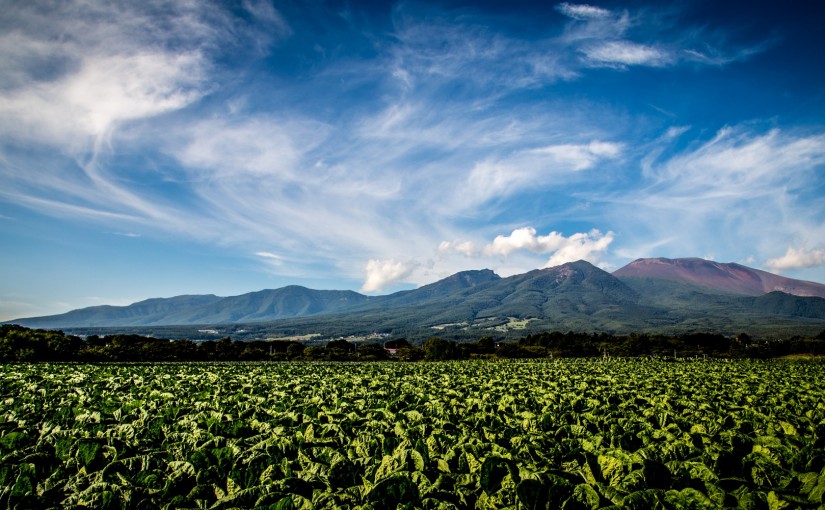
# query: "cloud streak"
[[582, 11], [740, 187], [739, 163], [537, 167], [626, 53]]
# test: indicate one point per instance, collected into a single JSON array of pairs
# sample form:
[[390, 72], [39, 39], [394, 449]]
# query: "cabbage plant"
[[569, 434]]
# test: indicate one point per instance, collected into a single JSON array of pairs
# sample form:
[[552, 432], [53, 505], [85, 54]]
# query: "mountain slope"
[[575, 295], [464, 282], [576, 287], [265, 305], [150, 311], [780, 303], [727, 278], [703, 295], [678, 295]]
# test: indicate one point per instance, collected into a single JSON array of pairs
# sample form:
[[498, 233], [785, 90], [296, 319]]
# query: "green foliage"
[[438, 349], [569, 434]]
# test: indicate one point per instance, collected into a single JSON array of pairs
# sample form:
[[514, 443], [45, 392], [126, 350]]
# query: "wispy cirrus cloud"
[[433, 51], [274, 262], [536, 167], [466, 248], [620, 38], [269, 255], [626, 53], [740, 186], [250, 146], [77, 71], [582, 11], [155, 64], [739, 163], [76, 109], [720, 55]]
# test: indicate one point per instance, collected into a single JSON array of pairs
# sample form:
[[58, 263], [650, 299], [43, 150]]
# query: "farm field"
[[571, 434]]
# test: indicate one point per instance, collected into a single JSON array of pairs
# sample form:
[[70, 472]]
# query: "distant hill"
[[779, 303], [470, 281], [653, 295], [730, 278], [573, 288], [698, 294], [264, 305], [150, 311], [575, 295], [267, 305]]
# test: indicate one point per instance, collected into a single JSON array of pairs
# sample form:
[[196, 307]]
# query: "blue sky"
[[157, 148]]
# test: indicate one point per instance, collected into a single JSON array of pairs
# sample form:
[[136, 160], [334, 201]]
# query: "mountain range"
[[654, 294]]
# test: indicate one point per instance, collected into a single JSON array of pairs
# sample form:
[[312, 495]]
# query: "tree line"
[[20, 344]]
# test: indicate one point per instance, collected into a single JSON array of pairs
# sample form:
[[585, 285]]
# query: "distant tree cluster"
[[19, 344], [640, 344], [22, 344]]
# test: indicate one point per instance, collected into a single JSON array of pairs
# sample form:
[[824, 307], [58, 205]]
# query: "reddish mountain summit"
[[730, 277]]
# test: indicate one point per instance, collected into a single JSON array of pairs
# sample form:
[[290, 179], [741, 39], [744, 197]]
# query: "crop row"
[[572, 434]]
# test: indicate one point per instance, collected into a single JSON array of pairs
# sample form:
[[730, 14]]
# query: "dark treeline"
[[686, 345], [18, 344], [22, 344]]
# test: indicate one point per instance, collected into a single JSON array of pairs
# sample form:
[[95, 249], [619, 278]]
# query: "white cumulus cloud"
[[584, 246], [565, 249], [382, 273], [795, 259], [524, 238]]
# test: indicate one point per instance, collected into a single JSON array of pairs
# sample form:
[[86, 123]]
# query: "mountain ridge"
[[644, 295], [727, 277]]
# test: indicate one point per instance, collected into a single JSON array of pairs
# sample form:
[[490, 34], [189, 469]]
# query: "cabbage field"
[[570, 434]]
